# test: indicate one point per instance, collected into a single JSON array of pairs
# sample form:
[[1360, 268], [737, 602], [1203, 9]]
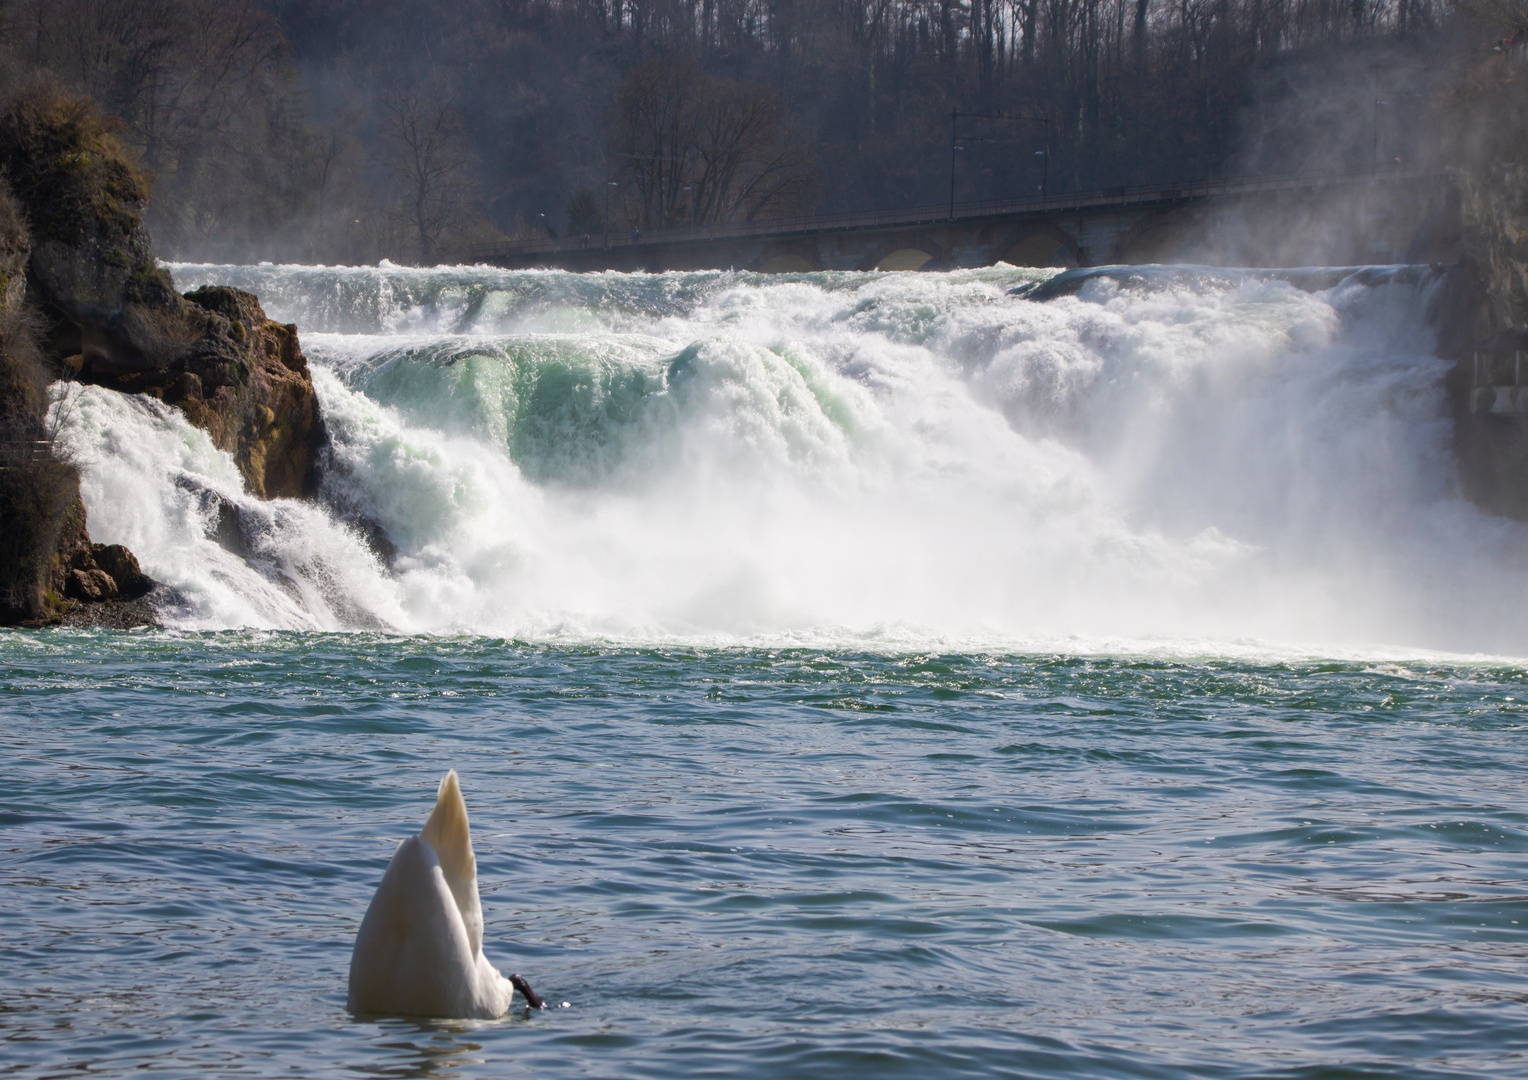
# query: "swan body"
[[420, 948]]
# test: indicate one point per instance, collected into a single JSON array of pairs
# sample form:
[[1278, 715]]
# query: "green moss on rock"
[[77, 181]]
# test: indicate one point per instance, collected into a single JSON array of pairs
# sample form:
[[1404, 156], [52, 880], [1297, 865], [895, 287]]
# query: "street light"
[[1044, 170], [954, 119], [955, 116], [691, 189], [1374, 153], [608, 185]]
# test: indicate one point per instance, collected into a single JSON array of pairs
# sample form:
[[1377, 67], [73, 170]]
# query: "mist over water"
[[874, 458]]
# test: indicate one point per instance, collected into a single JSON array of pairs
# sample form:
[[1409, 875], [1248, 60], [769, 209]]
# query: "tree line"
[[415, 130]]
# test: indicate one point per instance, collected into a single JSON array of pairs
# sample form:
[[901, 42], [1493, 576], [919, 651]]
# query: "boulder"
[[247, 385], [90, 585], [121, 566], [97, 572]]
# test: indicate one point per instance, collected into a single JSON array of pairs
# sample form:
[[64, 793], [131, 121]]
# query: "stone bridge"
[[1252, 221]]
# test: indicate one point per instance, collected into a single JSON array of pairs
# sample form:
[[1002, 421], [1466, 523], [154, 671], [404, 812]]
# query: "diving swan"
[[420, 948]]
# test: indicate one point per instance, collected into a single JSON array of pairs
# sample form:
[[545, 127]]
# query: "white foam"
[[913, 459], [153, 482]]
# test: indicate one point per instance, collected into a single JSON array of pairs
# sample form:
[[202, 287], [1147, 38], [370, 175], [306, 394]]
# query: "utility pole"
[[1374, 152], [954, 118], [608, 185]]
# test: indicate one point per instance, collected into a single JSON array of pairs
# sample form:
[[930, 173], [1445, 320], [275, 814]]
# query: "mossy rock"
[[74, 177]]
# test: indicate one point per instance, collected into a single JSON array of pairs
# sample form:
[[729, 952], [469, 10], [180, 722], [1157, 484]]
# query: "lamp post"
[[1044, 157], [955, 146], [691, 189], [608, 185], [954, 119], [1374, 151]]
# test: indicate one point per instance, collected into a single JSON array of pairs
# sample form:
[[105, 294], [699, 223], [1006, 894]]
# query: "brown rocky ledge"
[[242, 378], [82, 297]]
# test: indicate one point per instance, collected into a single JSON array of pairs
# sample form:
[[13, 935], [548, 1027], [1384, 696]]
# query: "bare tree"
[[655, 139], [705, 150], [197, 87], [427, 155], [710, 103]]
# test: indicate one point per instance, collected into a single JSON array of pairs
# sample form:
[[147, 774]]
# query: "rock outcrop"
[[115, 318], [234, 373], [38, 492], [1479, 120], [1494, 218], [81, 296], [247, 385]]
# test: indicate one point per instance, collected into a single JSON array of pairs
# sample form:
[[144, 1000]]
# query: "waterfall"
[[899, 459]]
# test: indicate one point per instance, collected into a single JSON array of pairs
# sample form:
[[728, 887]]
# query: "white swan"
[[420, 948]]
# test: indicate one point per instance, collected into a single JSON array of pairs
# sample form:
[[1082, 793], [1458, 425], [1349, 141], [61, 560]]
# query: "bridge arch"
[[904, 250], [1046, 246], [905, 258], [788, 257], [1157, 238]]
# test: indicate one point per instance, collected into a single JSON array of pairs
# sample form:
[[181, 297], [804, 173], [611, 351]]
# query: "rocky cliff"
[[235, 374], [82, 297]]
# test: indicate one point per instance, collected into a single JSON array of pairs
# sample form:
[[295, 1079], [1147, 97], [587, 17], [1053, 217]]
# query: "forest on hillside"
[[354, 130]]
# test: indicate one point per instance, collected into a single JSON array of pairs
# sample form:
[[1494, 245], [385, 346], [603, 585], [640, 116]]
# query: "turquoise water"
[[760, 861]]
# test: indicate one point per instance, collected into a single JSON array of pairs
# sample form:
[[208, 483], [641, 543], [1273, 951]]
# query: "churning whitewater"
[[899, 458]]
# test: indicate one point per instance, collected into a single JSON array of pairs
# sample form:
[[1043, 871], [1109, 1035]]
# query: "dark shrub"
[[38, 500]]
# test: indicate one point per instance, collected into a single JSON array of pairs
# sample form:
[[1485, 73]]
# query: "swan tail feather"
[[448, 833]]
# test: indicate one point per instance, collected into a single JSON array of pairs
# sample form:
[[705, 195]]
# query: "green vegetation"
[[66, 165]]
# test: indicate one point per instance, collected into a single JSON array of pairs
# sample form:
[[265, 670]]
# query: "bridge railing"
[[927, 215]]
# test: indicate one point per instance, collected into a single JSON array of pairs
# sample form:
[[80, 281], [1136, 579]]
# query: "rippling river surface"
[[768, 861]]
